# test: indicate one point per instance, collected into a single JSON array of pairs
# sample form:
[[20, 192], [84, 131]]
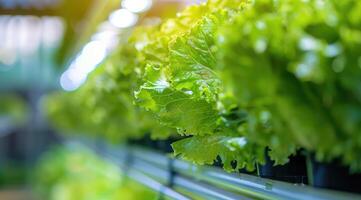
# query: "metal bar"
[[193, 186], [207, 190], [260, 187], [245, 184], [162, 176], [210, 182], [143, 179]]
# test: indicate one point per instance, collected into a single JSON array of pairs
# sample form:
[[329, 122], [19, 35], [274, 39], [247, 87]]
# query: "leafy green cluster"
[[295, 65], [13, 107], [181, 86], [237, 77], [78, 174]]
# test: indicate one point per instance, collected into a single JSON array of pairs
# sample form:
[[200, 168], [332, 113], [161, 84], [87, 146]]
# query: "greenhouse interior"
[[180, 99]]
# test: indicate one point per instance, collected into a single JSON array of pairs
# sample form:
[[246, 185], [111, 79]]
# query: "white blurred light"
[[109, 38], [53, 28], [11, 30], [123, 18], [107, 26], [92, 54], [25, 25], [137, 6], [76, 75], [105, 35], [69, 84]]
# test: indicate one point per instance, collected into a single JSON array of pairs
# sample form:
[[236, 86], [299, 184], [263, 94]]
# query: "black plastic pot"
[[159, 145], [145, 141], [334, 176], [294, 172], [165, 145]]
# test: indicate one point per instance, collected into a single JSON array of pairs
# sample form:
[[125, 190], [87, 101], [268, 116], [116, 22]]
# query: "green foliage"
[[13, 107], [204, 149], [281, 75], [303, 58], [77, 174], [181, 85]]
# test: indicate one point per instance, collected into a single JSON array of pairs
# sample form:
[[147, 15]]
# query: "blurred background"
[[48, 45]]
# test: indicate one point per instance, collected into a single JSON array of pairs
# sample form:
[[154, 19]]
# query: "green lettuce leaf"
[[176, 109], [179, 85], [235, 152]]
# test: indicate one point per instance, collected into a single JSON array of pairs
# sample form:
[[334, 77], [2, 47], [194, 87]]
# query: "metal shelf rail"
[[177, 179]]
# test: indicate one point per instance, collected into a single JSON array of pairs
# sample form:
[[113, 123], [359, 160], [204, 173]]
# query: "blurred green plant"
[[75, 173], [14, 108]]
